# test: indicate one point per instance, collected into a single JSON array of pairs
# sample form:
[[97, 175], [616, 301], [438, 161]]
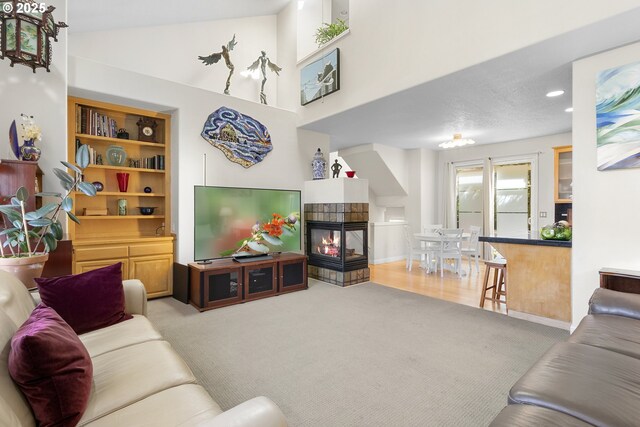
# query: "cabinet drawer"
[[101, 252], [144, 249], [83, 267]]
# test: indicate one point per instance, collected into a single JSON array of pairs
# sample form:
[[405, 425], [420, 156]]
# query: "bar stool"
[[499, 287]]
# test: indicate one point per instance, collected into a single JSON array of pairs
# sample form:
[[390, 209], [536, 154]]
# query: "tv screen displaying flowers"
[[245, 221]]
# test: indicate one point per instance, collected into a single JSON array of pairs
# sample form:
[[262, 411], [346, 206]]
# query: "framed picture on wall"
[[617, 114], [320, 78]]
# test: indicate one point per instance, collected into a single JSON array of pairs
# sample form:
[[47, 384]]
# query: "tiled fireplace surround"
[[337, 213]]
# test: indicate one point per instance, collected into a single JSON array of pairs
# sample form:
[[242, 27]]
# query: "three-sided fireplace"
[[338, 246], [336, 242]]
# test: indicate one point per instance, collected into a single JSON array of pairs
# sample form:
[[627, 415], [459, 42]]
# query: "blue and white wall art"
[[241, 138], [618, 117]]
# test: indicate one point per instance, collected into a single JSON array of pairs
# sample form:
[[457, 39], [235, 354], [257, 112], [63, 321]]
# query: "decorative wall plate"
[[241, 138]]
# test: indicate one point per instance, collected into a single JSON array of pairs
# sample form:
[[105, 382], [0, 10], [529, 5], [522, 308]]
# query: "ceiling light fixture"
[[569, 110], [457, 141], [555, 93], [300, 4]]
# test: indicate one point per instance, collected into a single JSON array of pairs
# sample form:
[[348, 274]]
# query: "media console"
[[226, 282]]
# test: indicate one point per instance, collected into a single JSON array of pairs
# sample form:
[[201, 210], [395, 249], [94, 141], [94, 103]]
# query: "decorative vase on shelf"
[[116, 156], [319, 165], [123, 181], [29, 152]]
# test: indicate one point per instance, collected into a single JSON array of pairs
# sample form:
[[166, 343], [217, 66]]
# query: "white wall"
[[394, 48], [288, 88], [543, 145], [605, 204], [42, 95], [171, 52], [286, 167]]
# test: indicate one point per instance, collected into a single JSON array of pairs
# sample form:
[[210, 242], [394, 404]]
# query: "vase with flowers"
[[30, 133]]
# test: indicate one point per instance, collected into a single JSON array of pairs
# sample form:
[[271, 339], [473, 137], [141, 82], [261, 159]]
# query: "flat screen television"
[[224, 218]]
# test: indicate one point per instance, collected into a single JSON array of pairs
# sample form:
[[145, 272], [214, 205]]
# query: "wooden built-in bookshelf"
[[143, 243]]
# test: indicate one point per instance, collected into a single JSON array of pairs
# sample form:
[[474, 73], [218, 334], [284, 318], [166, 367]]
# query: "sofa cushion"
[[86, 301], [597, 386], [615, 333], [172, 407], [527, 416], [15, 300], [123, 334], [51, 367], [127, 375]]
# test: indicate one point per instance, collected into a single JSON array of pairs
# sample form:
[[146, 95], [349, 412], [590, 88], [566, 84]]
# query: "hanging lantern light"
[[26, 30]]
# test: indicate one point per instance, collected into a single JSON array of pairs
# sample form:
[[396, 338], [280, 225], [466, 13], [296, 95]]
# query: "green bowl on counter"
[[560, 230]]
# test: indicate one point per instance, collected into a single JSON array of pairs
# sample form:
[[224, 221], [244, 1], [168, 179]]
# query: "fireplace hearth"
[[336, 242]]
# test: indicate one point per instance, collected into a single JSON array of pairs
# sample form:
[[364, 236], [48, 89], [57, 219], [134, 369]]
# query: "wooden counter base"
[[538, 280]]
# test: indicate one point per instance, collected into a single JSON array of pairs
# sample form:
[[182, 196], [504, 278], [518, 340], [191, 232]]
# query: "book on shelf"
[[91, 122]]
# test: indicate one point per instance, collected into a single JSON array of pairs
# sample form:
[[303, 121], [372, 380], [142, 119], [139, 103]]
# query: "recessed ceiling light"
[[300, 4], [569, 110], [344, 13], [555, 93]]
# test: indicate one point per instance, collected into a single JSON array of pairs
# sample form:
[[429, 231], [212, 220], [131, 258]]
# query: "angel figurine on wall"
[[215, 57], [263, 61]]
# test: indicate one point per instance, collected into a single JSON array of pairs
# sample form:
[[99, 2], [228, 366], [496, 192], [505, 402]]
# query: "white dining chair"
[[451, 248], [413, 247], [472, 250], [432, 247]]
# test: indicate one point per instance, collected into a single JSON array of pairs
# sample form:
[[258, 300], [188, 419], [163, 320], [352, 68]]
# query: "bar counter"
[[538, 278]]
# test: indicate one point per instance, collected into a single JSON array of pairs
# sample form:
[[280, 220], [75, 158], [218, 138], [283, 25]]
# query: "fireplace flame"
[[330, 247]]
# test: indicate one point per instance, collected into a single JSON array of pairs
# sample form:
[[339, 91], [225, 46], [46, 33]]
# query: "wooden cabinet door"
[[260, 280], [155, 272], [84, 266], [292, 275]]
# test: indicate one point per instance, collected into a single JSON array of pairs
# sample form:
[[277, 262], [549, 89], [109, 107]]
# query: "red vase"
[[123, 181]]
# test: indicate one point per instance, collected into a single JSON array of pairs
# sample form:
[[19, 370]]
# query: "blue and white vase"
[[319, 166], [29, 152]]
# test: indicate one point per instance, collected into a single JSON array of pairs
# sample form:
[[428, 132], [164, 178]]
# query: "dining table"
[[433, 237]]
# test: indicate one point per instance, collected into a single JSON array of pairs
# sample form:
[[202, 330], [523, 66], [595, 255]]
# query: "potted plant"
[[28, 237], [327, 32]]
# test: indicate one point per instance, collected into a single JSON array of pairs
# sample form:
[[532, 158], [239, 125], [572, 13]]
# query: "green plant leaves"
[[42, 222], [63, 176], [72, 167], [50, 242], [87, 188], [22, 194], [56, 230], [72, 217], [48, 194], [67, 204], [8, 231], [82, 156], [46, 209]]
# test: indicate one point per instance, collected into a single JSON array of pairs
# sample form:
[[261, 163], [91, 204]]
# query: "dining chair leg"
[[495, 284], [476, 256], [485, 282]]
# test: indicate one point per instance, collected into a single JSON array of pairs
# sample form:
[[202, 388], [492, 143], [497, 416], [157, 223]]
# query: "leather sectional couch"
[[138, 379], [592, 379]]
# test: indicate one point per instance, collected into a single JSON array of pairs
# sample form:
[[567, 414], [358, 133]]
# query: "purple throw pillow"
[[86, 301], [52, 368]]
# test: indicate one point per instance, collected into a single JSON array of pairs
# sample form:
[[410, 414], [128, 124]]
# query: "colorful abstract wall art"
[[618, 117], [320, 78], [241, 138]]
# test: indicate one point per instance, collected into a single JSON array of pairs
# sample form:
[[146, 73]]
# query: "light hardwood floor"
[[462, 290]]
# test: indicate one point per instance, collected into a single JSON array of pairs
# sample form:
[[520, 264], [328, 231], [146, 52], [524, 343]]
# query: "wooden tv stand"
[[226, 282]]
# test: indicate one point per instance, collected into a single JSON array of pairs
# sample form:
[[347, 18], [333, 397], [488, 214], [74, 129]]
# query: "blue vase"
[[116, 155], [29, 151]]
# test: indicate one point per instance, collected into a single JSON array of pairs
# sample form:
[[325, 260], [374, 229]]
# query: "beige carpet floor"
[[366, 355]]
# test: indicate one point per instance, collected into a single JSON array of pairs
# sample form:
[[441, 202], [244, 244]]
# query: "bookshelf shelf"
[[118, 141], [120, 217], [120, 194], [125, 169]]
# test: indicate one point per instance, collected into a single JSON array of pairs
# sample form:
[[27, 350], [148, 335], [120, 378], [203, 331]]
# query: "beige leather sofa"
[[139, 380]]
